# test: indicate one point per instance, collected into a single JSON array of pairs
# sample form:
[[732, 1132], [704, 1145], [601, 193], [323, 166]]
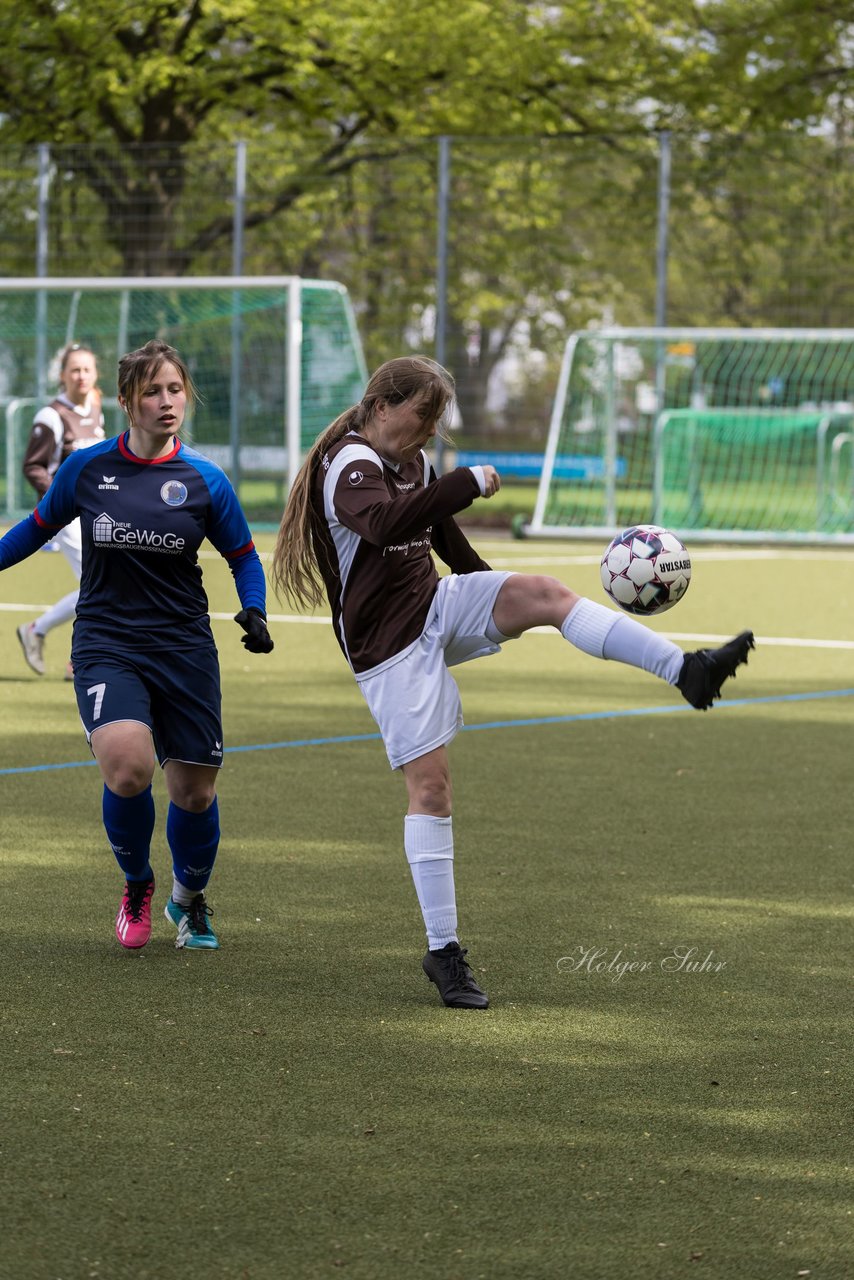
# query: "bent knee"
[[127, 779], [195, 799], [555, 594], [529, 600]]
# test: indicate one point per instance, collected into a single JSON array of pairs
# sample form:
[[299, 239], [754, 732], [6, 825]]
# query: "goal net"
[[719, 434], [275, 359]]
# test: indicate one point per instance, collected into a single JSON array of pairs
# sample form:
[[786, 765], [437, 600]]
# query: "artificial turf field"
[[299, 1104]]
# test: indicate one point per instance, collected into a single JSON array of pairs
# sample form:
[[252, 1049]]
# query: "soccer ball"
[[646, 569]]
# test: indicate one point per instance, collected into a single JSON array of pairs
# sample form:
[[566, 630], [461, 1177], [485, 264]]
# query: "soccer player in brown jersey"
[[363, 516], [72, 421]]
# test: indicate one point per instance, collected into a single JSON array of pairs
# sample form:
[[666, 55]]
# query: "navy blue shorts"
[[175, 693]]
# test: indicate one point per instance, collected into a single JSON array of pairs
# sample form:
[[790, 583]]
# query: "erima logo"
[[109, 483], [107, 532], [355, 477]]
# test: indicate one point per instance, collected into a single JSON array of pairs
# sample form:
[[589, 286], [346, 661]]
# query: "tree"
[[137, 88], [340, 103]]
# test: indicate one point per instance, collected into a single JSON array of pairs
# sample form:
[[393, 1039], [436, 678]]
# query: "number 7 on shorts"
[[99, 690]]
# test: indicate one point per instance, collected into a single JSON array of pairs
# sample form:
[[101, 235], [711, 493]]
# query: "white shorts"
[[413, 697], [70, 542]]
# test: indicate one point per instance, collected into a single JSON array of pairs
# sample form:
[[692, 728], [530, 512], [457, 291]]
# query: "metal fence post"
[[661, 251], [293, 378], [661, 248], [236, 318], [41, 269], [444, 181]]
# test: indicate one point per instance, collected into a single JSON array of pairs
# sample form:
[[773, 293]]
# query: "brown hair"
[[72, 349], [295, 568], [138, 367]]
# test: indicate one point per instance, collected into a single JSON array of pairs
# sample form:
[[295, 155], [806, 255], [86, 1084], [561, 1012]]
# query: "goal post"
[[275, 359], [719, 434]]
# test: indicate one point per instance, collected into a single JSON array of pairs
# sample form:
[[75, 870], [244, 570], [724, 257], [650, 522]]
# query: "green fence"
[[275, 360], [717, 434]]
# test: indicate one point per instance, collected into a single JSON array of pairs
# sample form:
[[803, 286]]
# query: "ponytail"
[[296, 572], [296, 575]]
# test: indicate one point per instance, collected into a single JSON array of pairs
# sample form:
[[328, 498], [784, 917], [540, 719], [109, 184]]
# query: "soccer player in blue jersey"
[[146, 672]]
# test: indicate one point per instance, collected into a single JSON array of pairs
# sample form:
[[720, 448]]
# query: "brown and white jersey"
[[60, 429], [374, 524]]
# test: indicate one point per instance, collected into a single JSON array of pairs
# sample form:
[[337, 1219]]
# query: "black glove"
[[257, 638]]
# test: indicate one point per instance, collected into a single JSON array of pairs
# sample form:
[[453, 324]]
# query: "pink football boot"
[[133, 923]]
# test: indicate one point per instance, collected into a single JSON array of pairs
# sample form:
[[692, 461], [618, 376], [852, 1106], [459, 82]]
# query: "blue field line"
[[491, 724]]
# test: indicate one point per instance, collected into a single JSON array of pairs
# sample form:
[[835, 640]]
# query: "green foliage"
[[554, 108]]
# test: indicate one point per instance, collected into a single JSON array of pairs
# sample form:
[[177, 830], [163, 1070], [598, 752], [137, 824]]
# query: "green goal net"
[[275, 360], [718, 434]]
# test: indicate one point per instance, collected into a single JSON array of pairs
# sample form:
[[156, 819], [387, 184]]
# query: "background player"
[[146, 671], [72, 421], [361, 520]]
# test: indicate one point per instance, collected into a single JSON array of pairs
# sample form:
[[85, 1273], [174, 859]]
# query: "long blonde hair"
[[296, 572]]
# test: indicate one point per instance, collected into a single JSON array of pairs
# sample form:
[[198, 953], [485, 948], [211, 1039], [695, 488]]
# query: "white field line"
[[506, 553], [793, 642], [503, 553], [698, 637], [502, 560]]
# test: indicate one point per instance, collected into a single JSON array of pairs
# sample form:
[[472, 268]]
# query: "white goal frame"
[[537, 527], [292, 370]]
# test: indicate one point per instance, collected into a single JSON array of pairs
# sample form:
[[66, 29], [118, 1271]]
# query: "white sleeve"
[[349, 456], [48, 417]]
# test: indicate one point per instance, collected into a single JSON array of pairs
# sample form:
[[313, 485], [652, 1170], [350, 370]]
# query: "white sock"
[[182, 895], [587, 626], [62, 611], [631, 642], [605, 634], [429, 845]]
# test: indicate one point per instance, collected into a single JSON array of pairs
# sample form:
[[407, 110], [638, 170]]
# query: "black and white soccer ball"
[[646, 569]]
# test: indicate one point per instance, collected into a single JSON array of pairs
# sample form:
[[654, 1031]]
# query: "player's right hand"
[[257, 638], [492, 480]]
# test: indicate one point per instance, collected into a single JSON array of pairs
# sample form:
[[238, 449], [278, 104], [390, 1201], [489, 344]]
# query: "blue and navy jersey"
[[142, 524]]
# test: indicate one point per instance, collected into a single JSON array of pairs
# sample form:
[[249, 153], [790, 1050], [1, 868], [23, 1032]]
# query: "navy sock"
[[129, 823], [193, 839]]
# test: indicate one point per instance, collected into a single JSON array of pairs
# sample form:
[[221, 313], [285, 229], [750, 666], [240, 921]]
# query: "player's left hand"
[[492, 480], [257, 638]]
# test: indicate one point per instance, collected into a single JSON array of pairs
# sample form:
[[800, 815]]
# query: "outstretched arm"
[[449, 541], [23, 539], [355, 494]]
